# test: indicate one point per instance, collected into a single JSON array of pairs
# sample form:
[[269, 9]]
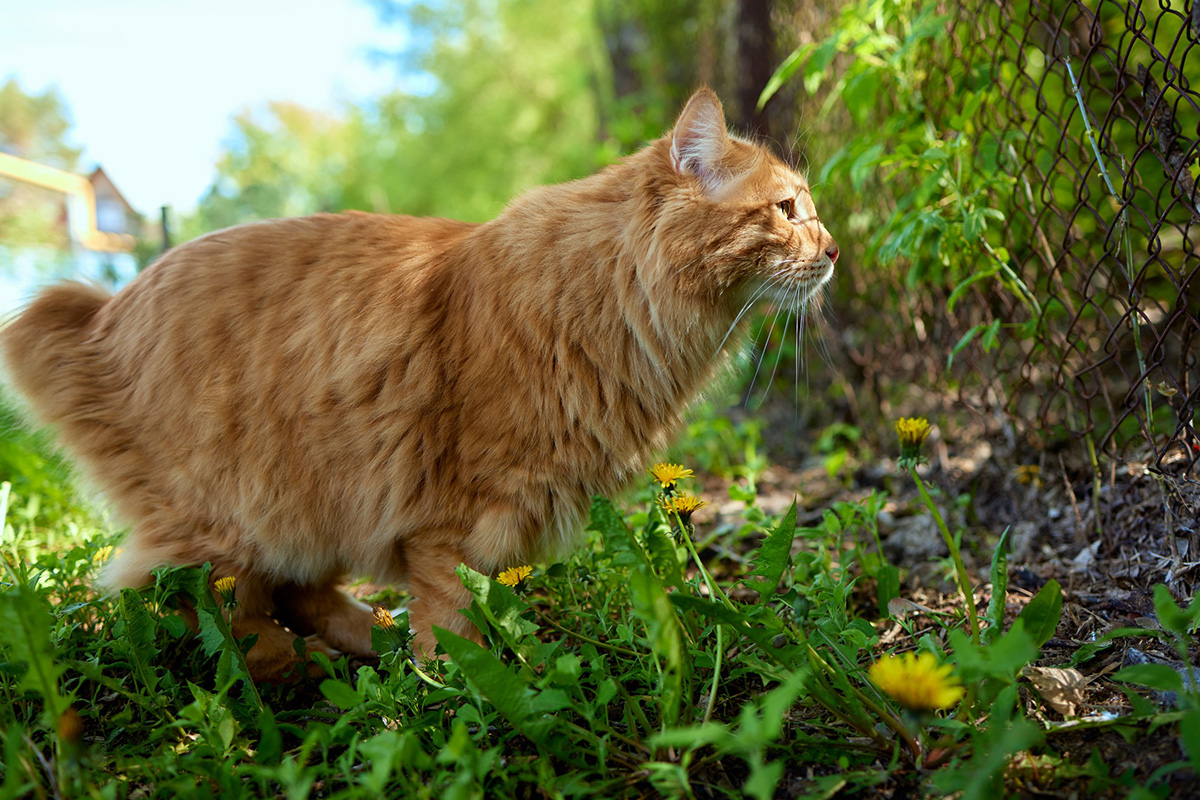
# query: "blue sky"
[[152, 84]]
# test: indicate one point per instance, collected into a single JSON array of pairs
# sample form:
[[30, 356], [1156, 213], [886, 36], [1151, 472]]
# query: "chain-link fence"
[[1094, 114]]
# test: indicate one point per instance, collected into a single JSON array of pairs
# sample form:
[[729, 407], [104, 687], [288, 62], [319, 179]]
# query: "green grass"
[[630, 669]]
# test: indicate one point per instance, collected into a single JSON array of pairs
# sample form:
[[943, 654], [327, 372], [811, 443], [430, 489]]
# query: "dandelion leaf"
[[1171, 616], [28, 623], [773, 556], [498, 605], [137, 638], [1042, 613], [995, 612], [654, 609], [211, 638], [661, 550], [619, 540], [506, 691]]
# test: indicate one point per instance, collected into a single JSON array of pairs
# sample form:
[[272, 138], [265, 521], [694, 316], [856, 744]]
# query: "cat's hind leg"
[[164, 536], [328, 612]]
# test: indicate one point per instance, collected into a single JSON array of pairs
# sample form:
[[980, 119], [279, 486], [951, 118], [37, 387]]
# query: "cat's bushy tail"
[[46, 352]]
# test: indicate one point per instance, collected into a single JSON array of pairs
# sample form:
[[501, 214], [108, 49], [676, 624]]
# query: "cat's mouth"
[[794, 282], [790, 286]]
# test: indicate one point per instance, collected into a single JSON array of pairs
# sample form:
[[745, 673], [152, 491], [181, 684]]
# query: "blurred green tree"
[[33, 127], [496, 96], [284, 161]]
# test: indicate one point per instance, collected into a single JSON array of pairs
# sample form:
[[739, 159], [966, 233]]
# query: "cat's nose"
[[832, 251]]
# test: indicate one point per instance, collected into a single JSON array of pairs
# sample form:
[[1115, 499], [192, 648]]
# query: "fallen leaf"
[[1062, 689]]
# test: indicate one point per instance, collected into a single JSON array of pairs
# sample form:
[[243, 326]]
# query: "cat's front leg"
[[438, 595]]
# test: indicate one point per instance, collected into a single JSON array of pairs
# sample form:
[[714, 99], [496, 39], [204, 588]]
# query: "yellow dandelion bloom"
[[917, 681], [103, 554], [668, 474], [225, 585], [70, 726], [1029, 473], [515, 576], [913, 432], [384, 619], [682, 504]]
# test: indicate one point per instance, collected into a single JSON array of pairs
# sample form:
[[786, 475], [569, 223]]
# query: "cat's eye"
[[788, 207]]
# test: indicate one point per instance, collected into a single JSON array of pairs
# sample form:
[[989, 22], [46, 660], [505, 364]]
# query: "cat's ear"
[[699, 140]]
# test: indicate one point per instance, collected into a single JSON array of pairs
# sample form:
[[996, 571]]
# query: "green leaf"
[[1189, 736], [814, 70], [974, 224], [982, 777], [209, 633], [510, 695], [1141, 706], [618, 538], [1003, 659], [888, 587], [763, 780], [860, 92], [1171, 616], [661, 550], [499, 605], [1156, 676], [995, 612], [270, 743], [773, 556], [760, 725], [962, 287], [864, 166], [789, 655], [137, 638], [968, 336], [27, 623], [652, 607], [1042, 613], [341, 694], [782, 73]]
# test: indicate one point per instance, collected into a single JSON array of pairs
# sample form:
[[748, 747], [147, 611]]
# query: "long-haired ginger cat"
[[303, 400]]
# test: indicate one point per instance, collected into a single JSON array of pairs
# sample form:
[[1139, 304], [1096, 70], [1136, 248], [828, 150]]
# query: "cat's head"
[[752, 213]]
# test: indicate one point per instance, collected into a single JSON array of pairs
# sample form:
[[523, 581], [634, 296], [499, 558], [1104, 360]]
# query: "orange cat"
[[302, 400]]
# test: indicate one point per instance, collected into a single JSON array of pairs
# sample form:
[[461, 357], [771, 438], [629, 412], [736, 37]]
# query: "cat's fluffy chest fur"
[[300, 400]]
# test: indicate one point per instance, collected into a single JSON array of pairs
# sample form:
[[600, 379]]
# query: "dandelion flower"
[[668, 474], [70, 726], [913, 432], [1029, 473], [682, 504], [224, 587], [515, 576], [384, 619], [917, 681]]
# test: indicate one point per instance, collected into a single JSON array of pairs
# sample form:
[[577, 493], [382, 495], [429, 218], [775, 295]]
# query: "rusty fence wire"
[[1098, 109]]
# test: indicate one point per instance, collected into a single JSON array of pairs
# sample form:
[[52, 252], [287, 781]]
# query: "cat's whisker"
[[779, 355], [799, 356], [822, 345], [748, 305], [761, 354], [687, 265]]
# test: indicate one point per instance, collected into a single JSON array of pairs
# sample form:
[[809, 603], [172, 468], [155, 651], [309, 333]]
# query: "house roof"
[[99, 179]]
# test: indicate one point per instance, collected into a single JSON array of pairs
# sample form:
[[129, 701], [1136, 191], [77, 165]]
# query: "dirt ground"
[[1107, 540]]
